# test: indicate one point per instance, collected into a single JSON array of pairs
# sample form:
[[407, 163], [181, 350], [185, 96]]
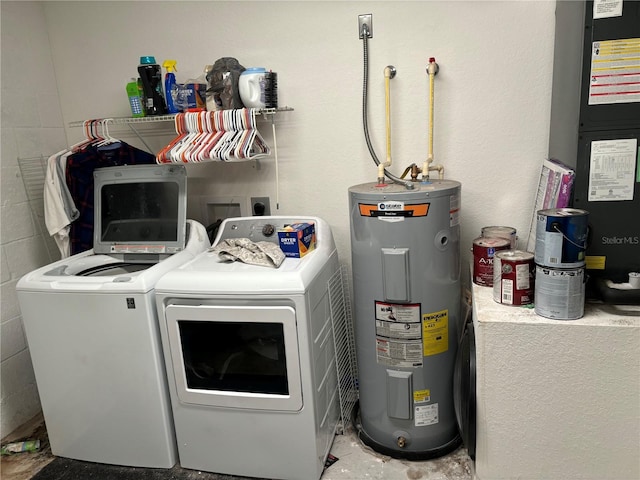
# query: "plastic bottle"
[[151, 76], [19, 447], [251, 86], [170, 87], [135, 99]]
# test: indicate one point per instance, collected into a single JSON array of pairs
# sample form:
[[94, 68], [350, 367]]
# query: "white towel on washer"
[[264, 254]]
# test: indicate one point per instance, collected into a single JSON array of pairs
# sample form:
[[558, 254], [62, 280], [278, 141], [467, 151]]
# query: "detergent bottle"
[[151, 76], [170, 87]]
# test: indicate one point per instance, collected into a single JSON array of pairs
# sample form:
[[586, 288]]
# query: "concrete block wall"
[[31, 129]]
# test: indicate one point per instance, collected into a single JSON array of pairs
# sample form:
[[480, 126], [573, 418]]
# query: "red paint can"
[[484, 249], [513, 277]]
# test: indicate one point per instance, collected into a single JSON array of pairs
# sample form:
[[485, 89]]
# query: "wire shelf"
[[165, 118]]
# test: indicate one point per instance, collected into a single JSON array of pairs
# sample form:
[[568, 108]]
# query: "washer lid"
[[464, 388], [140, 209]]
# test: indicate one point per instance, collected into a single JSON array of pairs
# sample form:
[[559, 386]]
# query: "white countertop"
[[486, 309]]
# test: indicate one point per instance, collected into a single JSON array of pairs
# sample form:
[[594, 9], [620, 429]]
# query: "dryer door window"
[[240, 357]]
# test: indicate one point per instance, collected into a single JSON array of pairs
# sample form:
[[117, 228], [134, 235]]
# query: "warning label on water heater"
[[398, 334], [435, 332]]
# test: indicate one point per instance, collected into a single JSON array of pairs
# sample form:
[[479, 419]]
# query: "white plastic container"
[[251, 86]]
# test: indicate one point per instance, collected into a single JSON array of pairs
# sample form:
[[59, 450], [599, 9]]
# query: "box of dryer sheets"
[[297, 239]]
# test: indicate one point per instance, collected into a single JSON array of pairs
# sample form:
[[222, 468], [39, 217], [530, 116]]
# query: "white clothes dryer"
[[250, 357], [92, 329]]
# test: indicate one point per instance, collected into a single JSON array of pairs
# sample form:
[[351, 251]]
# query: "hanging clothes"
[[79, 178], [59, 208]]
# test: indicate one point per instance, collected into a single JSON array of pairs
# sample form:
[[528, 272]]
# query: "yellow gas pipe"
[[432, 70], [389, 73]]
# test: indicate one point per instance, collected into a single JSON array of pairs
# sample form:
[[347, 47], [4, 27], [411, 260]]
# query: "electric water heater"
[[405, 248]]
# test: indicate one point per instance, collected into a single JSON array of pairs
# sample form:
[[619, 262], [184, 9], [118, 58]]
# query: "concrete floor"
[[355, 462]]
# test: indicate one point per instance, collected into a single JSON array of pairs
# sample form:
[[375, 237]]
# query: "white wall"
[[32, 126], [492, 104], [492, 107]]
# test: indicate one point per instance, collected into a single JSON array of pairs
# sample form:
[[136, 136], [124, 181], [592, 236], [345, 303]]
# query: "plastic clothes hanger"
[[209, 138], [181, 131], [248, 135], [177, 152], [89, 129], [109, 142], [218, 148], [195, 133], [218, 127], [258, 147], [206, 131], [232, 138]]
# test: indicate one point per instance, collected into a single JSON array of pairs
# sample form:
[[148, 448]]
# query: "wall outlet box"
[[260, 206]]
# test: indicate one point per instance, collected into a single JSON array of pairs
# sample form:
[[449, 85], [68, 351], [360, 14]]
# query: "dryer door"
[[464, 388], [235, 356]]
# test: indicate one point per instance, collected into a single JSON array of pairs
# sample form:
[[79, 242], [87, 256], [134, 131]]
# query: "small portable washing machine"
[[92, 327], [250, 357]]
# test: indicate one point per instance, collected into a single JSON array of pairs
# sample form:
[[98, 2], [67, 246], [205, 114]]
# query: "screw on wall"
[[365, 22]]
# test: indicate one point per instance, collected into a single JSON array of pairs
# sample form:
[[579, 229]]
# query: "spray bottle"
[[170, 87]]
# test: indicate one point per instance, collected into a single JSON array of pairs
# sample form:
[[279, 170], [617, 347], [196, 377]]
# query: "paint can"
[[560, 292], [561, 237], [513, 277], [483, 251], [497, 231]]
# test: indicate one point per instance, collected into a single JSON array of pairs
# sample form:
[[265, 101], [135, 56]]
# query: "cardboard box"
[[297, 239], [191, 95]]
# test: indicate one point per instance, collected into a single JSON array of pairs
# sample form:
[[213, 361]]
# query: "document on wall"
[[615, 72], [612, 170], [607, 8]]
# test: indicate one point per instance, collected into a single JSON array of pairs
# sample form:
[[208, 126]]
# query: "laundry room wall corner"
[[32, 129]]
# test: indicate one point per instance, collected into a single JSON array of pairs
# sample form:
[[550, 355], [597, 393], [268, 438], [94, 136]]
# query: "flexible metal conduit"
[[365, 88]]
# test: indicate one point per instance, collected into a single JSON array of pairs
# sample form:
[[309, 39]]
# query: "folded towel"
[[264, 254]]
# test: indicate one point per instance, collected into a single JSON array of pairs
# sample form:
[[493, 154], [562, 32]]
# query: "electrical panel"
[[607, 182]]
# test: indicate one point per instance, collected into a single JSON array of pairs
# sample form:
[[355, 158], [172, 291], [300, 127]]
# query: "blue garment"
[[79, 176]]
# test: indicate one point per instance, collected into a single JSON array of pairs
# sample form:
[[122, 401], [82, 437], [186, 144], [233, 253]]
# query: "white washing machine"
[[250, 357], [92, 327]]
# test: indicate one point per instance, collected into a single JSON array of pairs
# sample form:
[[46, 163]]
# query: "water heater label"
[[398, 353], [398, 334], [393, 209], [426, 415], [454, 210], [421, 396], [435, 332]]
